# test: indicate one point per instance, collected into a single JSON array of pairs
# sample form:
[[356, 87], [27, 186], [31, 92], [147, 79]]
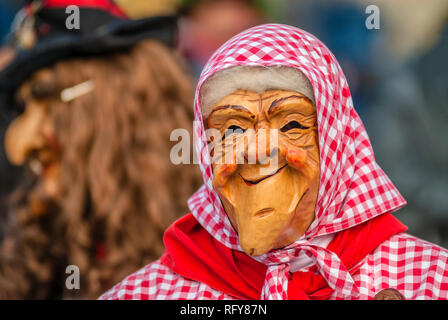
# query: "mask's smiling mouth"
[[254, 182]]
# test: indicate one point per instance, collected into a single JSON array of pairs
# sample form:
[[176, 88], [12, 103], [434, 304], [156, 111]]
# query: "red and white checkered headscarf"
[[353, 188]]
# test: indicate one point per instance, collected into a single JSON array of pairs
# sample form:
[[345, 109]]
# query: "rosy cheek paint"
[[223, 172], [296, 158]]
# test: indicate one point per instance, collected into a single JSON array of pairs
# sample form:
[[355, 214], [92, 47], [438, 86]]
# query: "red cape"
[[194, 254]]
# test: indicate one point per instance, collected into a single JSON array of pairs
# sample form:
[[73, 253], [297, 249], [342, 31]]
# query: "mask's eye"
[[292, 125], [233, 129], [19, 107]]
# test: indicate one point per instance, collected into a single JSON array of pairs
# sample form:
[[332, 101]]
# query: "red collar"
[[194, 254]]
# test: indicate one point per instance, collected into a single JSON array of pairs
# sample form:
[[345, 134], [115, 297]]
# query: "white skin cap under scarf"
[[353, 188]]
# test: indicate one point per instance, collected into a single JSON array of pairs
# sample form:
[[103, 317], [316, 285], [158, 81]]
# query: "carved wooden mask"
[[266, 165]]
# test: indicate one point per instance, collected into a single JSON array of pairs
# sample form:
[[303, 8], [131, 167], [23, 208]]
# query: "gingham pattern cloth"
[[416, 268], [353, 189]]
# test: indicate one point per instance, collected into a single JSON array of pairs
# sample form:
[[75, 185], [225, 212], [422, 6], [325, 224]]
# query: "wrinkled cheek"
[[224, 165], [306, 162], [222, 173], [222, 184]]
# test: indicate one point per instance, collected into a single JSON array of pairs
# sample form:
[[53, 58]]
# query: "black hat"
[[50, 32]]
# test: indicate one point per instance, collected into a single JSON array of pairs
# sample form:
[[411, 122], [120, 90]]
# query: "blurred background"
[[398, 76]]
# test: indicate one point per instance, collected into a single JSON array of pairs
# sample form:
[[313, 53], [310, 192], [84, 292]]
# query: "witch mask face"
[[266, 165], [31, 138]]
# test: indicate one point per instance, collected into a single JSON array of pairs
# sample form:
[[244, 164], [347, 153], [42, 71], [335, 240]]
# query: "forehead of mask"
[[268, 185]]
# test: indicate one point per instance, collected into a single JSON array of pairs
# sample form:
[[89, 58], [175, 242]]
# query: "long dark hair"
[[119, 190]]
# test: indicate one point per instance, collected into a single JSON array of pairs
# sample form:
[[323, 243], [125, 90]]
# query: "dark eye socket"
[[292, 125], [19, 107], [233, 129]]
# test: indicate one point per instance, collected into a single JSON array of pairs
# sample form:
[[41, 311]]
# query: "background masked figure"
[[97, 107], [310, 217]]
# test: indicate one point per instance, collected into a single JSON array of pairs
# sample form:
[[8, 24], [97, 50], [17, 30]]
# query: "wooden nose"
[[262, 147], [22, 136]]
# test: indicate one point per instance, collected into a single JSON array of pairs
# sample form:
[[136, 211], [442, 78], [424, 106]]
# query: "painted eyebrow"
[[232, 106], [278, 103]]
